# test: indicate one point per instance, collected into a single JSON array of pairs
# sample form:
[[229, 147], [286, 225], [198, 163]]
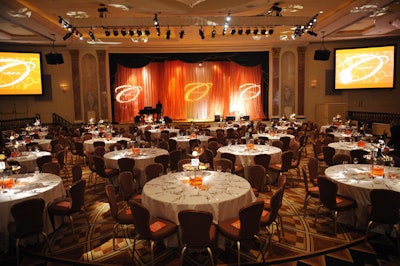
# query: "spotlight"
[[115, 32], [168, 34], [223, 32], [81, 37], [139, 32], [158, 30], [91, 34], [228, 17], [155, 20], [213, 33], [69, 34], [123, 32], [131, 33], [312, 33], [147, 32], [240, 31], [181, 33], [60, 19], [201, 33], [255, 31], [248, 31], [271, 31], [263, 31], [233, 31]]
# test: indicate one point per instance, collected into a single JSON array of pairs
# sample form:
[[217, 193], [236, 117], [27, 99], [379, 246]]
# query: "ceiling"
[[38, 22]]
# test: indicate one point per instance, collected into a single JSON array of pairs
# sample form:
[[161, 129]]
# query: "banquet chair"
[[31, 146], [360, 154], [182, 162], [92, 167], [147, 135], [123, 143], [332, 201], [244, 227], [163, 144], [222, 163], [164, 160], [174, 157], [380, 212], [192, 144], [148, 228], [213, 146], [128, 186], [99, 144], [311, 192], [278, 144], [317, 148], [123, 217], [236, 169], [128, 164], [295, 164], [28, 221], [74, 203], [312, 166], [284, 166], [115, 147], [207, 157], [286, 142], [172, 144], [328, 152], [103, 171], [60, 159], [197, 231], [341, 158], [154, 170], [76, 173], [78, 151], [257, 176], [99, 151], [42, 160], [51, 168], [326, 140], [269, 216], [263, 140]]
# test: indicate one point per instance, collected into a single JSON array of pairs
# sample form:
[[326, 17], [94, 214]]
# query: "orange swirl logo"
[[127, 93], [196, 91], [249, 91], [17, 69]]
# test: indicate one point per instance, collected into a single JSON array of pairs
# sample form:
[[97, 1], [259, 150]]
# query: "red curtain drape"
[[189, 91]]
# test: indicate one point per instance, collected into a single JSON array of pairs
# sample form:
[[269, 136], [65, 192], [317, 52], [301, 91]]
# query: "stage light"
[[147, 32], [69, 34], [81, 37], [131, 33], [91, 34], [248, 31], [181, 33], [213, 33], [201, 33], [158, 30], [107, 32], [233, 31], [312, 33], [168, 34], [240, 31], [271, 31], [123, 32], [255, 31], [155, 20], [228, 17], [115, 32], [139, 32], [263, 31]]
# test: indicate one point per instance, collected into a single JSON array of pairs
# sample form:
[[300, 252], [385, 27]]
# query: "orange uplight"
[[361, 144]]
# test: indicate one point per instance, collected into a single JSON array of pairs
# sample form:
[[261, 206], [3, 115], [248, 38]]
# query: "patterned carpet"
[[303, 243]]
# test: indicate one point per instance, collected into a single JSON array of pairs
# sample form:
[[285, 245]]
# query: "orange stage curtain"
[[189, 91]]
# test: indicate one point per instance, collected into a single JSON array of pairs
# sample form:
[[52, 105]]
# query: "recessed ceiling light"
[[77, 14], [122, 7]]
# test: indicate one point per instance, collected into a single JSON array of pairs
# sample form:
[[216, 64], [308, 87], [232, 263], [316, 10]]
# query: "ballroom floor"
[[302, 242]]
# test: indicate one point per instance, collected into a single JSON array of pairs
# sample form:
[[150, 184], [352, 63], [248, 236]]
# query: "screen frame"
[[394, 46], [41, 65]]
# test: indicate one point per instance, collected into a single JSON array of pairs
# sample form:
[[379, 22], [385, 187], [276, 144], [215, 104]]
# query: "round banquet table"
[[183, 141], [28, 159], [144, 158], [222, 194], [273, 137], [28, 186], [44, 143], [213, 130], [245, 157], [342, 135], [88, 144], [354, 180], [344, 147], [156, 133]]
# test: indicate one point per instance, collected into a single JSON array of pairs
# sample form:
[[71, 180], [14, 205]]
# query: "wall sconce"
[[64, 87], [313, 83]]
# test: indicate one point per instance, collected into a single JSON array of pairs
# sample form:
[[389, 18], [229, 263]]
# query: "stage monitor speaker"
[[322, 55], [54, 58]]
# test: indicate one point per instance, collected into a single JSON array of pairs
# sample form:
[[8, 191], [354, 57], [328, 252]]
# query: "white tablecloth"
[[245, 157], [156, 133], [88, 144], [346, 147], [28, 186], [44, 143], [354, 181], [213, 130], [276, 136], [145, 158], [183, 141], [28, 159]]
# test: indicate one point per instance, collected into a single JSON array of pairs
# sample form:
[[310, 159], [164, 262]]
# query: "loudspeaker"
[[322, 55], [54, 58]]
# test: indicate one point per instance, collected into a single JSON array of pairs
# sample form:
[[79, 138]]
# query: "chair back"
[[28, 216], [99, 151], [154, 170], [51, 168], [123, 143], [281, 181], [77, 194], [340, 159], [164, 160], [126, 184], [263, 159], [287, 157], [328, 152], [224, 163], [194, 143], [276, 204], [249, 217], [60, 155], [231, 157], [213, 146], [381, 210], [174, 157], [278, 144], [195, 226], [208, 157], [257, 177], [99, 144], [112, 200], [141, 218], [76, 172], [79, 148], [42, 160], [327, 192], [360, 155], [313, 169], [126, 164], [286, 143], [90, 161], [305, 178], [115, 146], [163, 144], [172, 144], [99, 166]]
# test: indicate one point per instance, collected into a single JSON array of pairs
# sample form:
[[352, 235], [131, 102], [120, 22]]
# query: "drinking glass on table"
[[355, 160], [219, 169]]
